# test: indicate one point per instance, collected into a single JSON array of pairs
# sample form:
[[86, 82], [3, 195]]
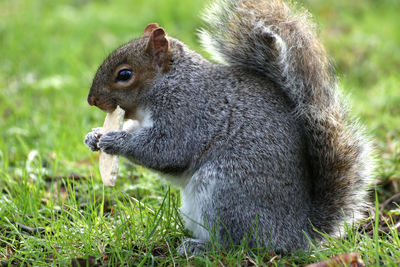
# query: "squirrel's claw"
[[92, 139]]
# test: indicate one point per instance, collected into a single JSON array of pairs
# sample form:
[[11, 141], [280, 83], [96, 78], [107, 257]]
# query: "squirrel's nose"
[[91, 100]]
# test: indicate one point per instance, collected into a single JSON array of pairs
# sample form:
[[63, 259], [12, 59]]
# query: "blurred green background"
[[50, 50]]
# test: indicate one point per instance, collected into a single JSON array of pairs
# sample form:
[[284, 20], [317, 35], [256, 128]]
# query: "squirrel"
[[260, 141]]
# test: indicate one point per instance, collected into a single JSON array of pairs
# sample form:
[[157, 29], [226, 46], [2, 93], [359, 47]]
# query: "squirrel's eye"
[[124, 75]]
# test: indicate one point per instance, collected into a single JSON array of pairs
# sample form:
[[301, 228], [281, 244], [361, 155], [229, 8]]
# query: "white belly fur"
[[196, 198]]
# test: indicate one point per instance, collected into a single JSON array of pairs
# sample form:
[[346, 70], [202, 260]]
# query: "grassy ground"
[[53, 207]]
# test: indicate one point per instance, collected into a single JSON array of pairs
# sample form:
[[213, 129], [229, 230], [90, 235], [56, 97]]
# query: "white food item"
[[109, 164]]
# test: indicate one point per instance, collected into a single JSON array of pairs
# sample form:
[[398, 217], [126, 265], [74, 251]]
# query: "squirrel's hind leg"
[[191, 246]]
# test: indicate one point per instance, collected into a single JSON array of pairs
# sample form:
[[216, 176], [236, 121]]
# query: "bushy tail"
[[279, 41]]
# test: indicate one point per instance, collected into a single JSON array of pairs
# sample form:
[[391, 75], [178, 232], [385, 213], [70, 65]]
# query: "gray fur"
[[280, 42], [92, 139], [260, 147]]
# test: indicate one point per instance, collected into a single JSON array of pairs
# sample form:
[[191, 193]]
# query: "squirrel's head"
[[130, 70]]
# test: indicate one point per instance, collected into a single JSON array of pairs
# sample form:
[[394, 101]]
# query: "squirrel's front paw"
[[92, 139], [113, 142]]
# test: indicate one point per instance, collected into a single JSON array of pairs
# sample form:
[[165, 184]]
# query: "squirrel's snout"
[[91, 100]]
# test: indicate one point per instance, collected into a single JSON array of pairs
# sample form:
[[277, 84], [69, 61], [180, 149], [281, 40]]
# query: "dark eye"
[[124, 75]]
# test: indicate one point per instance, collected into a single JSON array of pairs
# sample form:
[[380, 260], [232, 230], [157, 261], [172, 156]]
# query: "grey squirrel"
[[261, 143]]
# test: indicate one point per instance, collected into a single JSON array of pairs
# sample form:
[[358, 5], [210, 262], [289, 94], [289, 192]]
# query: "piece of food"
[[109, 164]]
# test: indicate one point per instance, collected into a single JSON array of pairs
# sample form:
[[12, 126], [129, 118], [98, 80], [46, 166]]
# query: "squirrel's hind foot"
[[191, 246]]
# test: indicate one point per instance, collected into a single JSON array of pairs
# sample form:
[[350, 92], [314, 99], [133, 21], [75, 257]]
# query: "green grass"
[[49, 52]]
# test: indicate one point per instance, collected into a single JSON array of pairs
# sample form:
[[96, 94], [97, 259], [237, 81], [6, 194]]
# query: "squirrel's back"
[[279, 42]]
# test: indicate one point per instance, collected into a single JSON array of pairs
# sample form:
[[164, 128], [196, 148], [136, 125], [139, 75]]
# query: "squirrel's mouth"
[[129, 114], [106, 106]]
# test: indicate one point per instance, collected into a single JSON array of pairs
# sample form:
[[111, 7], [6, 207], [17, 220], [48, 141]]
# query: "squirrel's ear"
[[149, 29], [158, 48]]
